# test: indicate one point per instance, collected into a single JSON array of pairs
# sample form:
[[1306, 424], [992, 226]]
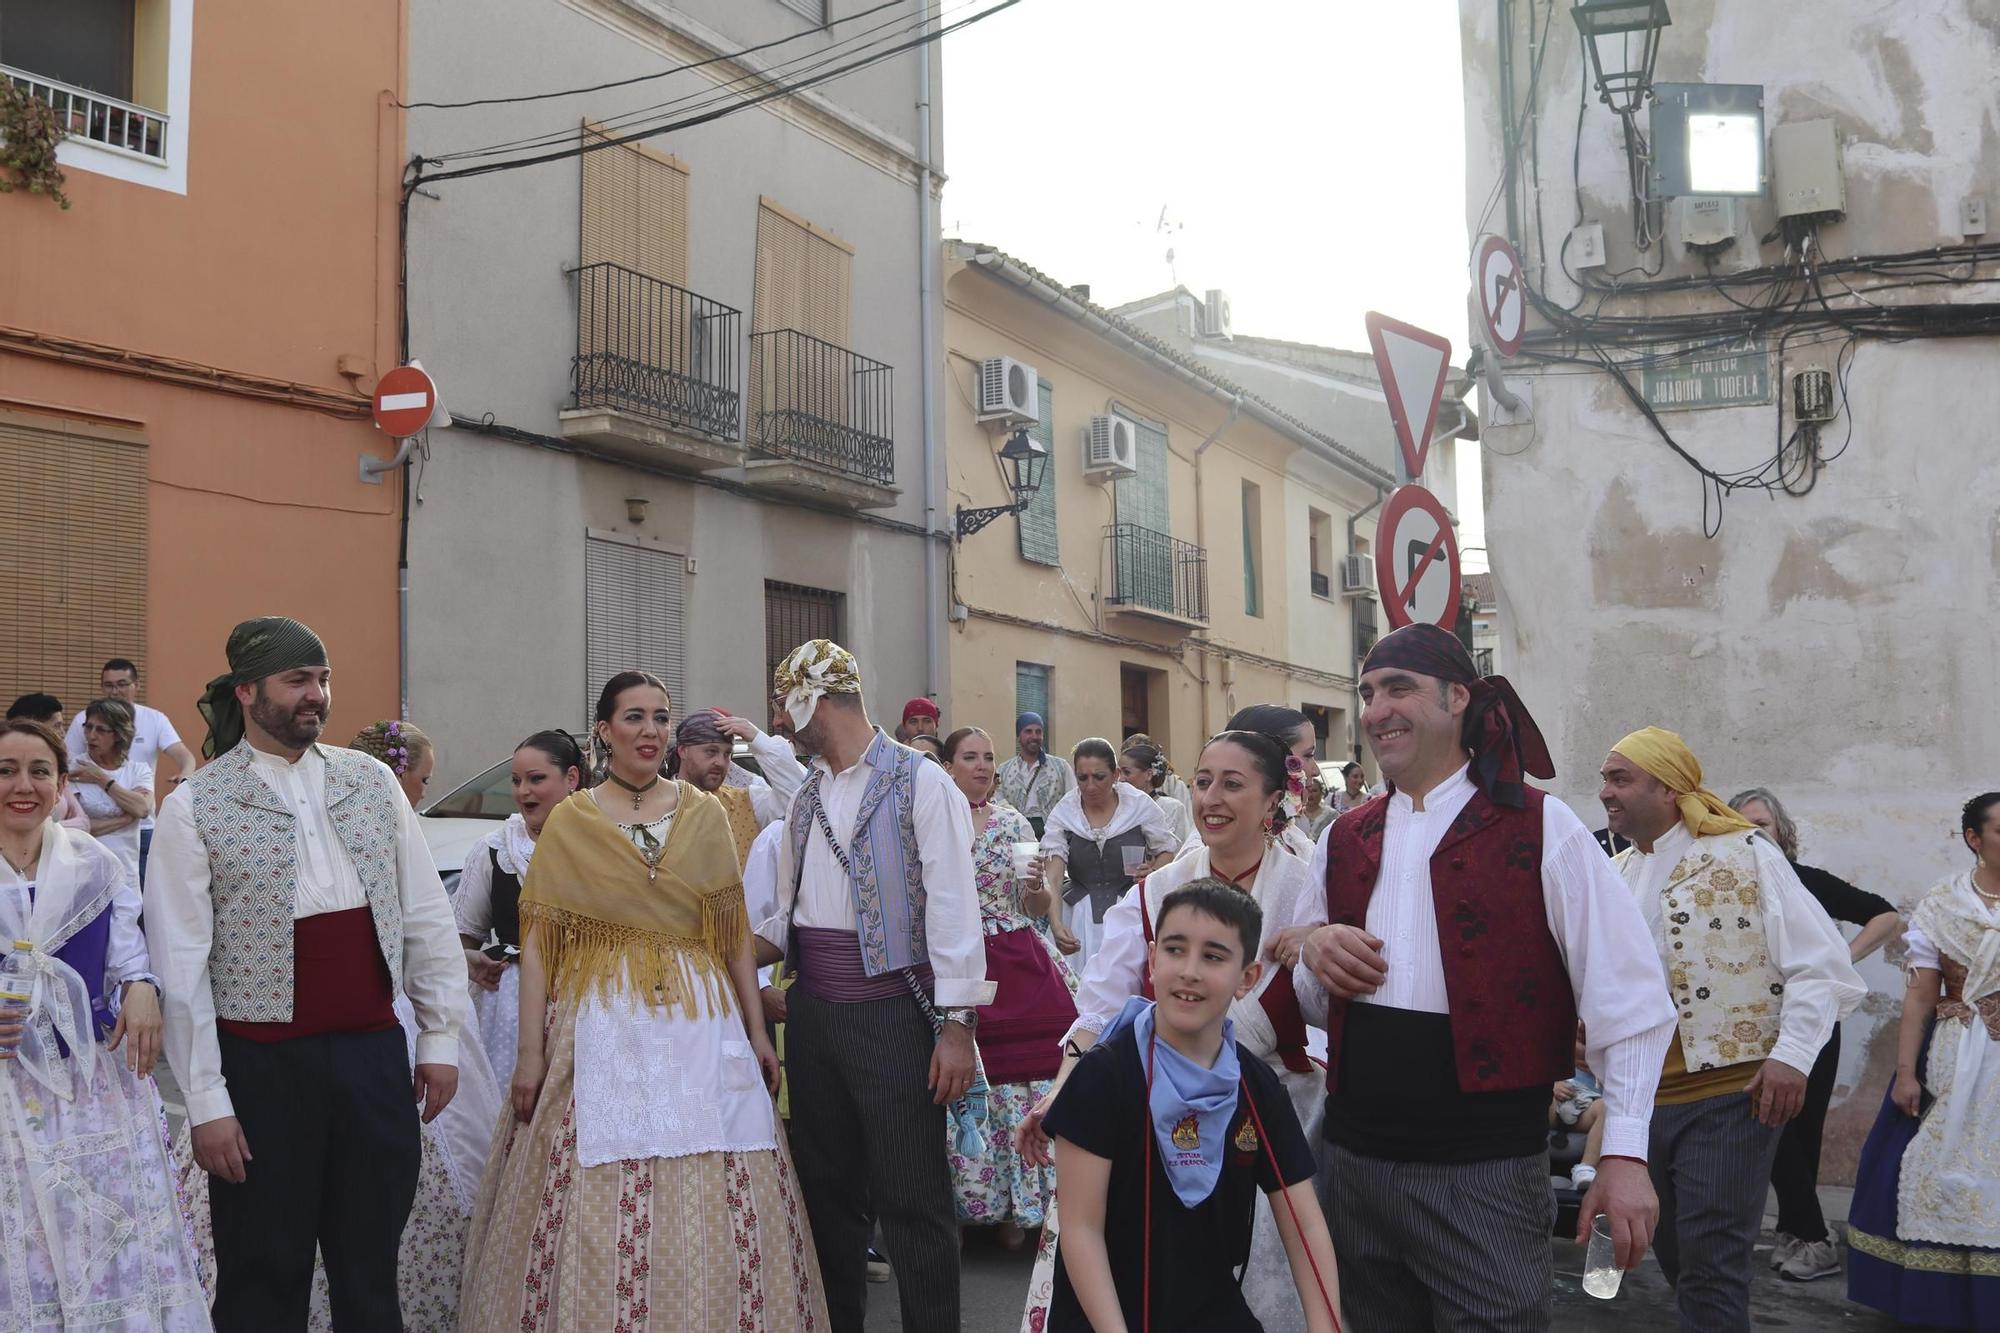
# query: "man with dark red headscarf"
[[1474, 922]]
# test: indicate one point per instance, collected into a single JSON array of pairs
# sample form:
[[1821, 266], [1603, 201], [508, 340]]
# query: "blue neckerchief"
[[1190, 1106]]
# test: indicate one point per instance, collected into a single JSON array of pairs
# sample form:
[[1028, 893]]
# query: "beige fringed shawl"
[[600, 923]]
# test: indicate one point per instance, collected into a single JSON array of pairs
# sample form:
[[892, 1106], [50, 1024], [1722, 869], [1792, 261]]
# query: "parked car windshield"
[[490, 795]]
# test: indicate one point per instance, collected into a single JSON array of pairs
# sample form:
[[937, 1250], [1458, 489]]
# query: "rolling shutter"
[[804, 276], [1037, 523], [635, 615], [73, 516], [635, 209]]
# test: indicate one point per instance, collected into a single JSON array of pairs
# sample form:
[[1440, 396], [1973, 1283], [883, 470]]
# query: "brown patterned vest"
[[742, 812], [1513, 1012]]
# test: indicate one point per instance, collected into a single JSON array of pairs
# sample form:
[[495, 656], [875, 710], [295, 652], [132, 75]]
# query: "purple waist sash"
[[830, 968]]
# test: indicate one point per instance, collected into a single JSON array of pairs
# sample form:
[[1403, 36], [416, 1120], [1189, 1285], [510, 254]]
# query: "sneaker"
[[1581, 1177], [1783, 1246], [1814, 1258], [878, 1267]]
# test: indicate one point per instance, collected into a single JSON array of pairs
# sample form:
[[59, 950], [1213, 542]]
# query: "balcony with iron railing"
[[1156, 575], [657, 376], [821, 419], [95, 118]]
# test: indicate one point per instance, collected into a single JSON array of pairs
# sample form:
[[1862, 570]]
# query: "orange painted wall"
[[278, 260]]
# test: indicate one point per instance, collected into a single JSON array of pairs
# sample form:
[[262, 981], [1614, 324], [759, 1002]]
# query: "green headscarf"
[[257, 648]]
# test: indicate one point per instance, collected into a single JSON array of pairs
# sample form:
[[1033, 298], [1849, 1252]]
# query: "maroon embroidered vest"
[[1513, 1012]]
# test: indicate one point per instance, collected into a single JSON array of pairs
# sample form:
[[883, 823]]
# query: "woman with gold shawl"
[[641, 1177]]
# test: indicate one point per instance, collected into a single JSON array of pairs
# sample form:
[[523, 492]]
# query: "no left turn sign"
[[1416, 560]]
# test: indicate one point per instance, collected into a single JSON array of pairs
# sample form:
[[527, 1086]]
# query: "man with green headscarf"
[[291, 897], [1758, 974]]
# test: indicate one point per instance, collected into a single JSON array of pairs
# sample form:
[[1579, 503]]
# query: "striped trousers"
[[1711, 1164], [1430, 1247], [869, 1145]]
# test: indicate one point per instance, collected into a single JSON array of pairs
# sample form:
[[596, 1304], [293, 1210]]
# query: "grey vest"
[[253, 872]]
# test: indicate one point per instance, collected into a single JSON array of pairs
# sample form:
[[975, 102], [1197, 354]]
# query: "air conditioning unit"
[[1009, 392], [1110, 449], [1215, 314], [1357, 575]]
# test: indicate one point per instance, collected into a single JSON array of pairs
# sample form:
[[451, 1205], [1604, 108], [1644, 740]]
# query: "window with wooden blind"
[[804, 276], [635, 209], [1037, 522], [1031, 693], [635, 613], [73, 516]]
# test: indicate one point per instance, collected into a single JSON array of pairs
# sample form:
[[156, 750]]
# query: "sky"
[[1306, 156]]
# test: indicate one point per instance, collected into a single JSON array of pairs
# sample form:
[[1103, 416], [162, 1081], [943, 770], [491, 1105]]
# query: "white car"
[[459, 820]]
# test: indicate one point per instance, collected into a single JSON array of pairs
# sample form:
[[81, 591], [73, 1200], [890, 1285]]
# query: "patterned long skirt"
[[712, 1241]]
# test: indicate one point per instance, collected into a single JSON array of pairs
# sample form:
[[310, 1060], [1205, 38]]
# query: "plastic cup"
[[1601, 1273], [1025, 854], [1134, 857]]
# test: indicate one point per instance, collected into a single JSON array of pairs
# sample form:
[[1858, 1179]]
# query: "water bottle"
[[16, 988]]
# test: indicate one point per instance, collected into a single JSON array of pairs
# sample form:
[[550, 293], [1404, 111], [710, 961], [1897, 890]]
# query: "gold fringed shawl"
[[742, 812], [600, 923]]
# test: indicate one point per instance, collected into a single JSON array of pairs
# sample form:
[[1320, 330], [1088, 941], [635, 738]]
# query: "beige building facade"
[[1169, 585]]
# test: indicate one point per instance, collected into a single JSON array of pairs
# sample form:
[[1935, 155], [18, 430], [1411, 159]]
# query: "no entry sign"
[[1503, 301], [1416, 560], [1412, 365], [404, 400]]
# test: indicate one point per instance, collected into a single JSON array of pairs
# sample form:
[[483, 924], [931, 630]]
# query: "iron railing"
[[822, 404], [657, 351], [1157, 572], [1365, 632], [95, 118], [1482, 661]]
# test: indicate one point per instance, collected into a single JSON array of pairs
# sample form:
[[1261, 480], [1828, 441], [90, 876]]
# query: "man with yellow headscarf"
[[1758, 974]]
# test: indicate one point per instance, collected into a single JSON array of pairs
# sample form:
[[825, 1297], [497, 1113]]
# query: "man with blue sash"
[[878, 917]]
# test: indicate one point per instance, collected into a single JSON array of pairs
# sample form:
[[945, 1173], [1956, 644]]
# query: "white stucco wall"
[[1836, 646], [497, 538]]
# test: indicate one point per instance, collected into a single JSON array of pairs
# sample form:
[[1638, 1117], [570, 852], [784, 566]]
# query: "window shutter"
[[1037, 523], [635, 209], [804, 277], [73, 521], [635, 615], [1145, 571], [1031, 693]]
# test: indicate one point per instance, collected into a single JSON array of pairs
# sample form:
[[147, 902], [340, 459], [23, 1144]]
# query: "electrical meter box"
[[1805, 163], [1708, 222]]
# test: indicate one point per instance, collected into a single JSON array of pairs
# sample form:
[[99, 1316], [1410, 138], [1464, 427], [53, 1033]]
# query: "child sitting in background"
[[1163, 1134], [1579, 1104]]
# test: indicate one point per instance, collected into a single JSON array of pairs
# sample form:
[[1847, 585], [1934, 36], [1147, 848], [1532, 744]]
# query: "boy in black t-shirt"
[[1159, 1101]]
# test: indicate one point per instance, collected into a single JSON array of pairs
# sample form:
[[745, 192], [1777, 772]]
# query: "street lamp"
[[1623, 39], [1027, 460]]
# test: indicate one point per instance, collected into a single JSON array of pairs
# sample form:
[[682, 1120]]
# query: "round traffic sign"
[[1503, 297], [404, 399], [1416, 560]]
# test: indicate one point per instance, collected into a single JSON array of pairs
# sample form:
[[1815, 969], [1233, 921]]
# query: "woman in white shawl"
[[547, 770], [1238, 791], [91, 1231], [1939, 1264], [1098, 829]]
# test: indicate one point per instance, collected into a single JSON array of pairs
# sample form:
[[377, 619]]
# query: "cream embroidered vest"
[[253, 867], [1727, 992]]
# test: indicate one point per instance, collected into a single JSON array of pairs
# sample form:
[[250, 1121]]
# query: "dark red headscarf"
[[1503, 737]]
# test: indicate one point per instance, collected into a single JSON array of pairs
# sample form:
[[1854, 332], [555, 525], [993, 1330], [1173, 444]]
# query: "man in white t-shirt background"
[[153, 740]]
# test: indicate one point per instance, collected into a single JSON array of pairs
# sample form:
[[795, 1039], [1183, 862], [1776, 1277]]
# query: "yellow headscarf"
[[1666, 756]]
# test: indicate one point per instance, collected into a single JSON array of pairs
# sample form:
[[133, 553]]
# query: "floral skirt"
[[714, 1240], [92, 1235], [1000, 1185]]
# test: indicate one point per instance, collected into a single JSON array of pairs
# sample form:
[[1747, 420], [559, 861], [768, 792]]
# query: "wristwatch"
[[967, 1018]]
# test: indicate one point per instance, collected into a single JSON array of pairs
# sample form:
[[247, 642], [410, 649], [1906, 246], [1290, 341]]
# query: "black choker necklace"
[[637, 792]]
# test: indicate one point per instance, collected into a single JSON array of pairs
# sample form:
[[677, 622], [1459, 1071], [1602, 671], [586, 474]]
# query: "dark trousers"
[[1451, 1247], [869, 1145], [1795, 1172], [332, 1127], [1710, 1161], [145, 850]]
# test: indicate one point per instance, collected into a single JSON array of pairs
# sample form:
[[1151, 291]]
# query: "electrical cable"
[[658, 74], [420, 177]]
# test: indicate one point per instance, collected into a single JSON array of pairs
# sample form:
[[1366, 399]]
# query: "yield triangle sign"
[[1412, 364]]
